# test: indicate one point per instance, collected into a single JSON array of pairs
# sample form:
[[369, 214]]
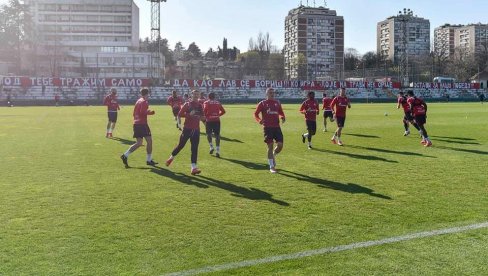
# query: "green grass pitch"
[[69, 207]]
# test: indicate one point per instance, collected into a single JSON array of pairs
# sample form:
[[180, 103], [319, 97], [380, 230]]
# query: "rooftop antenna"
[[314, 5], [325, 3], [307, 4], [301, 3]]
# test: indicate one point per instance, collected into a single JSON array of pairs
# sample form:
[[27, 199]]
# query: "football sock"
[[309, 144], [149, 157], [271, 163], [193, 166], [405, 125], [309, 138], [211, 145], [218, 149], [127, 153], [305, 134]]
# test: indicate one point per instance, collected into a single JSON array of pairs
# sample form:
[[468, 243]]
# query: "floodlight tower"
[[404, 17], [156, 61]]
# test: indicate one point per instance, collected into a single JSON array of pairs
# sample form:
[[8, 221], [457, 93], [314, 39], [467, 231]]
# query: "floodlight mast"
[[156, 62], [404, 17]]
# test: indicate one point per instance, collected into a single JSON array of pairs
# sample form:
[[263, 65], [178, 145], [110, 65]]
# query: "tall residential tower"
[[314, 44]]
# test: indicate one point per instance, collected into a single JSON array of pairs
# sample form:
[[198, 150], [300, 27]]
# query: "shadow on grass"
[[392, 151], [206, 182], [451, 141], [457, 138], [348, 188], [463, 150], [357, 156], [230, 140], [123, 141], [203, 133], [248, 165], [361, 135]]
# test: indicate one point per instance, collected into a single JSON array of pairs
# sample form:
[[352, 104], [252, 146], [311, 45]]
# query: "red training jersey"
[[202, 100], [192, 112], [417, 106], [111, 102], [326, 104], [271, 111], [402, 101], [141, 110], [311, 109], [175, 102], [339, 105], [213, 110]]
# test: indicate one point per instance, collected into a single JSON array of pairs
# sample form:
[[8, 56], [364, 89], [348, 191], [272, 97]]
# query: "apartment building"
[[471, 38], [444, 39], [404, 33], [88, 38], [314, 43]]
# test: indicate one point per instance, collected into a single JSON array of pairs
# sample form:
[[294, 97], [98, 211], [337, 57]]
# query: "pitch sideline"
[[322, 251]]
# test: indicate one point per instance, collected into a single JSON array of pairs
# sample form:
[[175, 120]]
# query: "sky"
[[207, 22]]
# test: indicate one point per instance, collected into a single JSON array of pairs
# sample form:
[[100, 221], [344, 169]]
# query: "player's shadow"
[[222, 138], [392, 151], [455, 141], [464, 150], [206, 182], [456, 138], [357, 156], [123, 141], [323, 183], [230, 140], [248, 165], [361, 135]]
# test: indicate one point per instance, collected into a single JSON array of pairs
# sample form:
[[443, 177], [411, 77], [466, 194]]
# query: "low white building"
[[88, 38]]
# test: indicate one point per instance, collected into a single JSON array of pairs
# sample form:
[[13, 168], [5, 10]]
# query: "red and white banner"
[[141, 82], [74, 82]]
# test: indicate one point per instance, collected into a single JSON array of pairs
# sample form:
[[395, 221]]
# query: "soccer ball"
[[386, 113]]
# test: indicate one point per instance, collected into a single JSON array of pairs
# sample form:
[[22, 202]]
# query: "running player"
[[175, 102], [407, 118], [213, 109], [419, 110], [339, 106], [271, 112], [310, 108], [327, 110], [141, 129], [193, 113], [112, 107]]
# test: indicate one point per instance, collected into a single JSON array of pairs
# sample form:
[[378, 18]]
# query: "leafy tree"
[[193, 52], [16, 31], [179, 51]]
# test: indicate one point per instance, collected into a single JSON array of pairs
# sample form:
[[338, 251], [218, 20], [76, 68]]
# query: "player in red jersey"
[[407, 118], [213, 109], [327, 110], [141, 129], [113, 106], [202, 99], [271, 112], [175, 102], [419, 110], [339, 106], [310, 108], [192, 111]]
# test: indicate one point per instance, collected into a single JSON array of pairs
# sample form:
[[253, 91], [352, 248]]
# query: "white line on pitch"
[[322, 251]]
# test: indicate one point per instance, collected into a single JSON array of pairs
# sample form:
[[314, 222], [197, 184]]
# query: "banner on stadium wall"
[[456, 85], [75, 82], [141, 82], [306, 85]]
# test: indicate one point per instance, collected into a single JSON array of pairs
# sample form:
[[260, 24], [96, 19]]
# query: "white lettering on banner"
[[102, 82], [176, 83], [17, 81], [7, 81], [185, 83]]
